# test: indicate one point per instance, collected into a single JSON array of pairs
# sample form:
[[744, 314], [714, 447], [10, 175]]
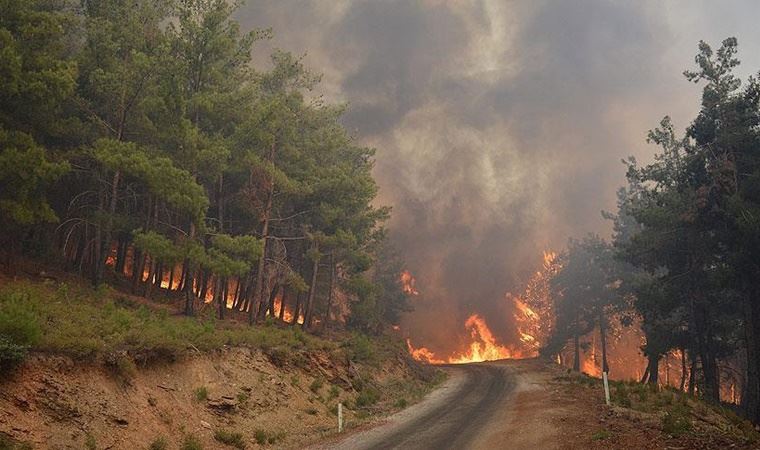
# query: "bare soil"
[[52, 403]]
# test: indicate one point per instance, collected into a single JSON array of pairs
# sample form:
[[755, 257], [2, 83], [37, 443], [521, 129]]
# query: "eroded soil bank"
[[51, 402]]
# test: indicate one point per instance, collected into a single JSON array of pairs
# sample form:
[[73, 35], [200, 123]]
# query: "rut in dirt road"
[[452, 424]]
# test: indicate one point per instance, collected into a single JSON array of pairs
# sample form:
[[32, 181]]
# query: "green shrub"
[[675, 421], [601, 435], [260, 436], [19, 318], [159, 444], [361, 349], [401, 403], [201, 393], [367, 397], [191, 443], [11, 354], [333, 392], [90, 443], [6, 443], [231, 438], [620, 395], [316, 385]]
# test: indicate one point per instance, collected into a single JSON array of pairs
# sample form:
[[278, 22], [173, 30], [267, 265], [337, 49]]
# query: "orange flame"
[[408, 282], [482, 347], [533, 317]]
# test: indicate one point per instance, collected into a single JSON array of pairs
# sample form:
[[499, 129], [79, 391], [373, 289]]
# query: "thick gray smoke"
[[499, 125]]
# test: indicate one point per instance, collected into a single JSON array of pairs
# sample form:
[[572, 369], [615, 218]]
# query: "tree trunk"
[[151, 274], [693, 374], [106, 243], [220, 296], [172, 266], [576, 352], [331, 289], [297, 309], [603, 334], [188, 287], [257, 290], [653, 367], [121, 255], [683, 369], [139, 268], [308, 312]]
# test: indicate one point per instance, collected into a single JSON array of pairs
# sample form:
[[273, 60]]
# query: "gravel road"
[[471, 410]]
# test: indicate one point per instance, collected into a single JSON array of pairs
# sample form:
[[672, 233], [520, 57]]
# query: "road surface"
[[498, 404]]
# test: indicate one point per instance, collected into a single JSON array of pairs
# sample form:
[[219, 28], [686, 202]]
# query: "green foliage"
[[85, 326], [90, 443], [676, 421], [316, 385], [190, 442], [361, 348], [11, 353], [334, 392], [201, 393], [25, 175], [159, 443], [19, 318], [367, 397], [601, 435], [231, 438], [6, 443], [260, 436]]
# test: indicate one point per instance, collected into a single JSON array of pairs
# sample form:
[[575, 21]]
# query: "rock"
[[205, 424], [223, 404], [122, 422]]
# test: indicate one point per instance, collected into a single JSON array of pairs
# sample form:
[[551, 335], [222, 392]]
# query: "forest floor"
[[110, 371]]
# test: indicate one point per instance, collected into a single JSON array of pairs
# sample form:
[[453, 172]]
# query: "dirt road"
[[503, 404]]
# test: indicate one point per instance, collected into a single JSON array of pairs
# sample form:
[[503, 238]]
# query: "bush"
[[260, 436], [401, 403], [361, 349], [316, 385], [333, 392], [201, 393], [367, 397], [11, 354], [601, 435], [19, 328], [159, 444], [675, 421], [231, 438], [191, 443]]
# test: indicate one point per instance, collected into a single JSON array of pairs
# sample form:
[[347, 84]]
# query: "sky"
[[499, 125]]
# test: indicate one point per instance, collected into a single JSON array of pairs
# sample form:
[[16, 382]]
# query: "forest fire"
[[483, 346], [532, 316], [408, 283]]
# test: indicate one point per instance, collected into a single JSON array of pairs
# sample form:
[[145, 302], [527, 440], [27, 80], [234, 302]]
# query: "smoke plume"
[[499, 125]]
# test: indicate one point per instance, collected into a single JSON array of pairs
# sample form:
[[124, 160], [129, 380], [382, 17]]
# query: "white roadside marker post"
[[340, 417], [606, 388]]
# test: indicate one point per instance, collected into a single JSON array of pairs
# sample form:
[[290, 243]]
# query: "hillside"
[[104, 370]]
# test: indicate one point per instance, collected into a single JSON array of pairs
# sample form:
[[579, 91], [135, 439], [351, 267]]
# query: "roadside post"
[[606, 388], [340, 417]]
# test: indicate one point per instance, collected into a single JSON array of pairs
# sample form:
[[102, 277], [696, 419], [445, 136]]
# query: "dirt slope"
[[52, 403]]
